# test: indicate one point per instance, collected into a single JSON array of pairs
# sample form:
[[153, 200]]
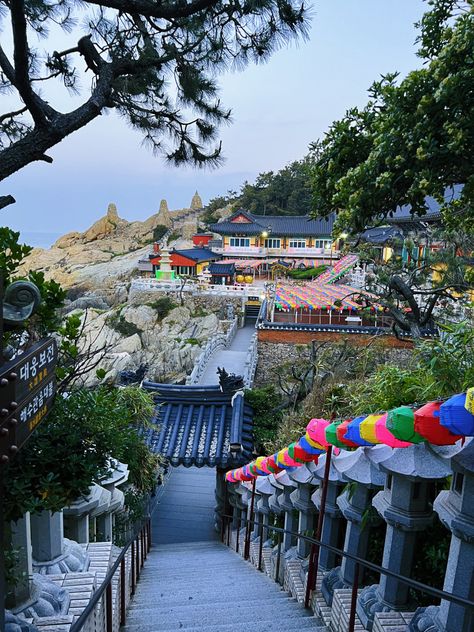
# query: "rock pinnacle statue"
[[196, 202]]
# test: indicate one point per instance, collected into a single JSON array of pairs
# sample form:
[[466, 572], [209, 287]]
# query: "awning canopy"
[[198, 426], [318, 296], [241, 264]]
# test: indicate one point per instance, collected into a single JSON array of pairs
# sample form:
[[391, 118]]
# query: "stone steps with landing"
[[205, 586]]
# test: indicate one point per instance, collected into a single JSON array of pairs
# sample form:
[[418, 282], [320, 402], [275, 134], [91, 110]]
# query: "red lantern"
[[341, 431], [427, 424]]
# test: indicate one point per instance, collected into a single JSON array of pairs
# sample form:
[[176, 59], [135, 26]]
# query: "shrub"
[[123, 327], [307, 273], [159, 231], [192, 341], [163, 306], [265, 402], [72, 448]]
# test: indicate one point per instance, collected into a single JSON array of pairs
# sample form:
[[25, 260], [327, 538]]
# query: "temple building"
[[274, 238], [183, 262]]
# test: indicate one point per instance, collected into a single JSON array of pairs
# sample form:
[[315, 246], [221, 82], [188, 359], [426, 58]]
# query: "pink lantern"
[[385, 436], [317, 431]]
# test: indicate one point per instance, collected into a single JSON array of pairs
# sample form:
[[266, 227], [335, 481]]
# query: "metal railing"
[[316, 544], [217, 341], [139, 546]]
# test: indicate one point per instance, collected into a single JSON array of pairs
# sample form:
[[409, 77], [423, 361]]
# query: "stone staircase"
[[206, 587]]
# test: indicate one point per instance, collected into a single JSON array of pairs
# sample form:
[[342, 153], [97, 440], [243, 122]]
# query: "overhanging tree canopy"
[[413, 139], [155, 62]]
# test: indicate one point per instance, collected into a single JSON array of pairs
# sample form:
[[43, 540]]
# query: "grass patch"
[[118, 323], [163, 306]]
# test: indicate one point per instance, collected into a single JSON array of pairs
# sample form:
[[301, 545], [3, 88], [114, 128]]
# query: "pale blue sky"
[[278, 109]]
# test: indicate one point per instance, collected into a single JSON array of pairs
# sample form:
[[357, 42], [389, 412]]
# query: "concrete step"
[[213, 600], [276, 624], [240, 613]]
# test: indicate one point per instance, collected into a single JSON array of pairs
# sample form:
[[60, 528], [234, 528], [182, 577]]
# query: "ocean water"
[[39, 239]]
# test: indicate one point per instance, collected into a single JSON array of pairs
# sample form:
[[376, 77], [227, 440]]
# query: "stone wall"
[[305, 337], [207, 302], [272, 354]]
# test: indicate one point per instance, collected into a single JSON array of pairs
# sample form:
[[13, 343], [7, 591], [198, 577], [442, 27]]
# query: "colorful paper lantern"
[[341, 431], [427, 424], [470, 400], [455, 417], [298, 454], [385, 436], [353, 431], [367, 429], [260, 463], [401, 423], [309, 447], [284, 461], [331, 434], [317, 431], [271, 464]]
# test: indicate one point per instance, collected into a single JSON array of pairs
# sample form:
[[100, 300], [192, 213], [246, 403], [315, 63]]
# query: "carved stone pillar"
[[76, 516], [360, 471], [52, 553], [405, 506], [456, 511], [288, 486], [301, 499], [332, 523]]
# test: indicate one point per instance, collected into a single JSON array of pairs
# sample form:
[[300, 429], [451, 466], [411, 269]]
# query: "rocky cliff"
[[106, 254]]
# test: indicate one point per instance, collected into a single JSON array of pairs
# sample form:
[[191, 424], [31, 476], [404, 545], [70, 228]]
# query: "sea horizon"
[[39, 239]]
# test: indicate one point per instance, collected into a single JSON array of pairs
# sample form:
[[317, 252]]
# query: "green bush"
[[123, 327], [72, 448], [192, 341], [163, 306], [159, 231], [266, 415], [307, 273]]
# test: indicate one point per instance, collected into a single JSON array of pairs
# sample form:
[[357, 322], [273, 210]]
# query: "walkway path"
[[232, 359], [185, 512], [206, 587]]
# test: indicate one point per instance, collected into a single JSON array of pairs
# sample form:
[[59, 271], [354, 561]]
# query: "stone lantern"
[[405, 506], [455, 508]]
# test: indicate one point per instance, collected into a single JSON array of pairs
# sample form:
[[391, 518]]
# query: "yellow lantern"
[[240, 278], [249, 278]]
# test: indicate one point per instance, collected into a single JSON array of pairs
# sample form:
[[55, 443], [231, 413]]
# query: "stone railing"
[[251, 362], [364, 489], [142, 283], [65, 557], [219, 340]]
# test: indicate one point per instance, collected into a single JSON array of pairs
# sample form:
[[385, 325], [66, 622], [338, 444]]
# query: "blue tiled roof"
[[276, 225], [198, 254], [222, 268], [195, 425]]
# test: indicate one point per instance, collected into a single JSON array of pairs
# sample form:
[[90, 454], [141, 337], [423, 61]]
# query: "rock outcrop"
[[106, 254], [134, 335]]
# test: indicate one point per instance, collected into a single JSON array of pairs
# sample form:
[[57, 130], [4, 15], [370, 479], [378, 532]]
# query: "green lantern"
[[401, 423], [331, 435]]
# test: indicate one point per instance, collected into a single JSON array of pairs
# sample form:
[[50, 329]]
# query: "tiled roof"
[[198, 254], [222, 268], [381, 235], [276, 225], [196, 425]]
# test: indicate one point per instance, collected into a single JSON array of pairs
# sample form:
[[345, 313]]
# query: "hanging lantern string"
[[440, 422]]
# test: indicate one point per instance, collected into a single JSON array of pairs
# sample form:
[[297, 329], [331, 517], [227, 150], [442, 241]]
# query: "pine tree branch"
[[6, 200], [21, 59], [148, 8]]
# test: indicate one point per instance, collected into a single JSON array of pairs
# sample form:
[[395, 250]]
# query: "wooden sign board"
[[23, 375], [27, 390]]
